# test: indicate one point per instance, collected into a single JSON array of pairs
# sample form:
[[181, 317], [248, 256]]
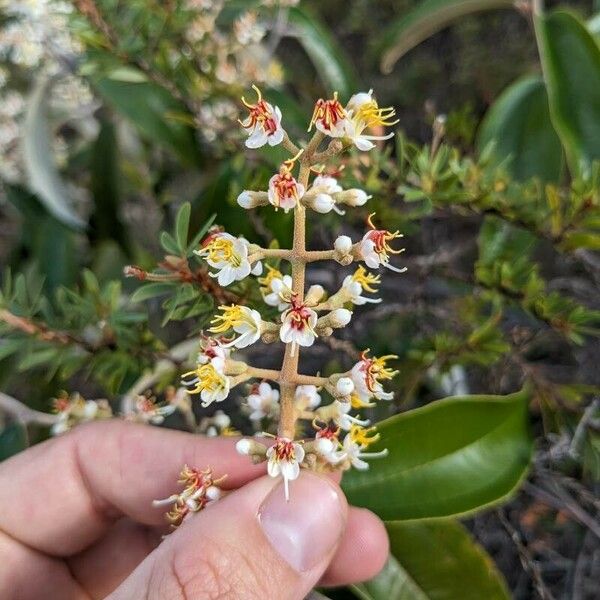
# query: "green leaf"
[[450, 457], [571, 65], [151, 290], [155, 112], [168, 242], [329, 60], [519, 123], [42, 174], [13, 439], [435, 560], [182, 224], [427, 18]]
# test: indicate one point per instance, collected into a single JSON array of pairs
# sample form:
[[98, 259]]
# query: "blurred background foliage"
[[118, 122]]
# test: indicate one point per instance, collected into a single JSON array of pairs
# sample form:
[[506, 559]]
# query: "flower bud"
[[221, 420], [248, 199], [343, 244], [314, 294], [353, 197], [213, 492], [344, 386], [323, 203], [252, 448], [340, 317]]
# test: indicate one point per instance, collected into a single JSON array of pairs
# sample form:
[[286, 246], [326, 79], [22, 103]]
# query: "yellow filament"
[[231, 317], [360, 435], [366, 280]]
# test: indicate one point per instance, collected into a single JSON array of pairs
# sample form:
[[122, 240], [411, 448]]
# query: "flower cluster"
[[340, 438], [200, 490], [74, 410]]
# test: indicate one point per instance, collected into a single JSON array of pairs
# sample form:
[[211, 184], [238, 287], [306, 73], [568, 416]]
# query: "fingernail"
[[305, 529]]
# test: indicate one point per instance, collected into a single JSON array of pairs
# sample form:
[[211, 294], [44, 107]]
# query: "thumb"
[[251, 544]]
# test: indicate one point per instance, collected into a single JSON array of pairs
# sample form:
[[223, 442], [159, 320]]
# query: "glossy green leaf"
[[451, 457], [333, 68], [571, 65], [425, 19], [42, 173], [154, 111], [519, 124], [434, 560]]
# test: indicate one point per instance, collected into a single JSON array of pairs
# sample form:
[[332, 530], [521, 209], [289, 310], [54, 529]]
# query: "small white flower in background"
[[218, 424], [275, 288], [148, 411], [205, 380], [264, 401], [307, 396], [201, 489], [364, 113], [298, 325], [242, 320], [284, 191], [375, 250], [74, 410], [367, 375], [229, 255], [263, 123], [284, 458]]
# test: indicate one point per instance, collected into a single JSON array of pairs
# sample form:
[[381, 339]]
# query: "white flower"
[[374, 248], [354, 285], [275, 288], [341, 417], [243, 320], [352, 451], [327, 445], [74, 410], [205, 380], [307, 396], [229, 255], [147, 411], [326, 184], [329, 117], [212, 351], [298, 324], [284, 458], [284, 191], [364, 113], [264, 401], [263, 124], [367, 375]]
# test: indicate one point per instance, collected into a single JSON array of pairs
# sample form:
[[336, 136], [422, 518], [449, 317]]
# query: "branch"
[[23, 413]]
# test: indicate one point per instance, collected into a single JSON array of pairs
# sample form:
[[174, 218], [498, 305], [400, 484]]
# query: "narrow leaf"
[[428, 17], [42, 173]]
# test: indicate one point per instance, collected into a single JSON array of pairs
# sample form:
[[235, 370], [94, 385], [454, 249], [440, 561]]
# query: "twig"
[[530, 565], [579, 436], [23, 413]]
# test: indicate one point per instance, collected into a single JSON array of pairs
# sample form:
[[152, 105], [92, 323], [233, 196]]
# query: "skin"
[[76, 521]]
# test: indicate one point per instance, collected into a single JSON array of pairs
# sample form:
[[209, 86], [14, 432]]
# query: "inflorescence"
[[340, 438]]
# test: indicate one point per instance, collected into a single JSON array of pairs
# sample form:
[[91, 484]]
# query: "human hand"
[[76, 521]]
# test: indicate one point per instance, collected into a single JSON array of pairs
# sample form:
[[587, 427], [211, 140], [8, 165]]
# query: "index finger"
[[63, 494]]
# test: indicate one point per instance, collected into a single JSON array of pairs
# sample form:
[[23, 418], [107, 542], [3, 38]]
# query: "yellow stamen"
[[366, 280], [221, 249], [372, 116], [208, 379], [357, 403], [266, 281], [231, 317], [360, 435]]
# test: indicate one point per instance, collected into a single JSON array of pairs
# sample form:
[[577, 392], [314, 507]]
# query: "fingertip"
[[362, 552]]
